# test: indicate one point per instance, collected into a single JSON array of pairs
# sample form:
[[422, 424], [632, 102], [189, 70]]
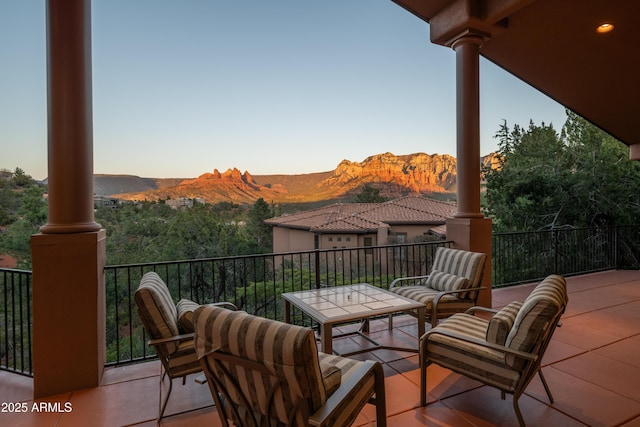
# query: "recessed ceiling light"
[[605, 28]]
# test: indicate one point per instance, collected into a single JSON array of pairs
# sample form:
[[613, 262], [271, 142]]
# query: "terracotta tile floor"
[[592, 366]]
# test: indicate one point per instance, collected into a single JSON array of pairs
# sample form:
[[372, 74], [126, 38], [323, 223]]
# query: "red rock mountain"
[[395, 176], [418, 173]]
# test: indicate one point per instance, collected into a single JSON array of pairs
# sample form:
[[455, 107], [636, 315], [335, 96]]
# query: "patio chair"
[[263, 372], [505, 351], [169, 328], [452, 286]]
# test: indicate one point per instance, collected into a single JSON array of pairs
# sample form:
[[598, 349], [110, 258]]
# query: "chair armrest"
[[176, 338], [436, 299], [395, 282], [340, 400], [497, 347], [457, 291], [225, 304], [473, 309]]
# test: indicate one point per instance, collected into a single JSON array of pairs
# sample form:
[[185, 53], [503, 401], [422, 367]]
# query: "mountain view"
[[395, 176]]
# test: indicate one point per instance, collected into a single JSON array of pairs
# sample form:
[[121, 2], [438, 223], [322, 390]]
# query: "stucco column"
[[468, 228], [70, 119], [468, 125], [68, 256]]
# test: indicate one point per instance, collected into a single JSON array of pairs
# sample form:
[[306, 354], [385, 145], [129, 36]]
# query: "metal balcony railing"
[[255, 282], [15, 321], [529, 256]]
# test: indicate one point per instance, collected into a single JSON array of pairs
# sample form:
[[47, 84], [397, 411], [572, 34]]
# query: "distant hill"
[[395, 176], [234, 186], [106, 185]]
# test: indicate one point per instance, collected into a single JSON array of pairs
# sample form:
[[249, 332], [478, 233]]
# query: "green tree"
[[605, 183], [21, 179], [8, 205], [370, 194], [135, 232], [193, 234], [526, 192], [29, 217], [578, 178], [258, 232]]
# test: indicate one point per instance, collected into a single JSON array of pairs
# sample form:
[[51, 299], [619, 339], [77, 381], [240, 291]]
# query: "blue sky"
[[181, 87]]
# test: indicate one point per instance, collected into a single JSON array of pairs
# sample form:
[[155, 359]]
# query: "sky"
[[183, 87]]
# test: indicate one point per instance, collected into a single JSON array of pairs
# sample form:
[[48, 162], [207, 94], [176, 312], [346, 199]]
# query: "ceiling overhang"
[[554, 47]]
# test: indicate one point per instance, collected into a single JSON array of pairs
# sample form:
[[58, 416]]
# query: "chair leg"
[[163, 403], [381, 401], [423, 382], [546, 386], [390, 322], [434, 317], [518, 413]]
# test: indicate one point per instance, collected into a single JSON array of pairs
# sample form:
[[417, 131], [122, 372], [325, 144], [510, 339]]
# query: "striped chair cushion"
[[425, 295], [289, 353], [553, 287], [156, 309], [460, 263], [542, 304], [441, 281], [501, 323], [185, 310], [331, 376], [472, 359], [184, 360], [348, 412]]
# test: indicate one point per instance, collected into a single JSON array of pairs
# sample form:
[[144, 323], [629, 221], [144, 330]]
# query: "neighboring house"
[[106, 201], [181, 202], [349, 225], [184, 202]]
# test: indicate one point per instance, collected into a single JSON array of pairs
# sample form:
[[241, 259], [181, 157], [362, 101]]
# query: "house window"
[[348, 238], [330, 239], [339, 239]]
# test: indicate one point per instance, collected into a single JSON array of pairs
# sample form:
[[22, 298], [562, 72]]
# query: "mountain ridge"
[[394, 175]]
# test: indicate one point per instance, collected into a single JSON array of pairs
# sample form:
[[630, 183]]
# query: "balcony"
[[254, 282], [591, 366], [598, 312]]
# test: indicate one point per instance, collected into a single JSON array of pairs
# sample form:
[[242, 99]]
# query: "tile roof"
[[368, 217]]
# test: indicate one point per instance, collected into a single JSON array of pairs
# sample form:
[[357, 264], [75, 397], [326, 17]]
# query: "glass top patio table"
[[345, 304]]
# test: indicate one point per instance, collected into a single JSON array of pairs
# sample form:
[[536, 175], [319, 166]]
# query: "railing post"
[[615, 246], [555, 250], [317, 260]]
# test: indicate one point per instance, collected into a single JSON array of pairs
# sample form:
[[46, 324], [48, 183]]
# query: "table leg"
[[326, 338], [364, 327], [287, 308]]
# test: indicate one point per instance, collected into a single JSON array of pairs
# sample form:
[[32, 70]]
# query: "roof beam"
[[450, 18]]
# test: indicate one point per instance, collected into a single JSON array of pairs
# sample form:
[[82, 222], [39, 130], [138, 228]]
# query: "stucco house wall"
[[411, 232], [291, 240]]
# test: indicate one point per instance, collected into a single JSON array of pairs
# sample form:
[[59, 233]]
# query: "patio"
[[591, 365]]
